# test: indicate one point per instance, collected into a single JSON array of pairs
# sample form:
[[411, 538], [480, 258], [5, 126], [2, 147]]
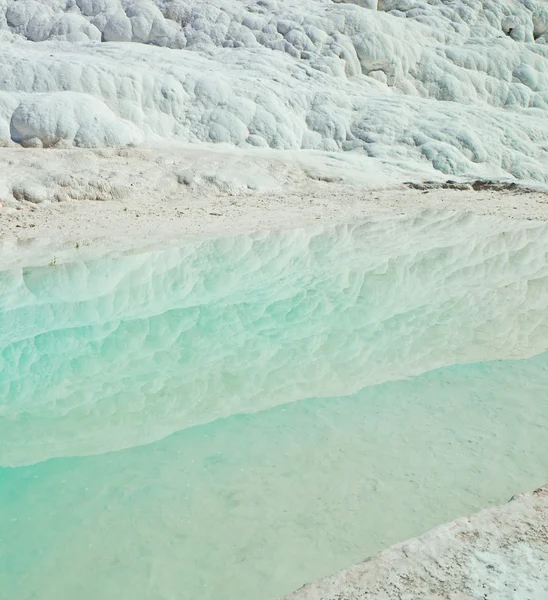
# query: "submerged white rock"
[[169, 339], [459, 85]]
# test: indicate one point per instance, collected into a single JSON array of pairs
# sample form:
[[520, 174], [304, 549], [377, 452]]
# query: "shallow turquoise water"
[[232, 418]]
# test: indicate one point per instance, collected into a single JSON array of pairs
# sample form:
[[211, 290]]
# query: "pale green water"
[[124, 382]]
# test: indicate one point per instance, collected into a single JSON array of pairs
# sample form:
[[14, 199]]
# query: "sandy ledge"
[[70, 204], [499, 553]]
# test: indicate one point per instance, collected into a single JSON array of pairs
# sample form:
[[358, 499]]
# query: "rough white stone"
[[461, 85], [68, 117], [497, 553]]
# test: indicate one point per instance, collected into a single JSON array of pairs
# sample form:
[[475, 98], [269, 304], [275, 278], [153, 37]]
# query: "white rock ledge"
[[498, 553]]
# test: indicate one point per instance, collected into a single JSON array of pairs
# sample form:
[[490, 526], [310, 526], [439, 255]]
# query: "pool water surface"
[[232, 418]]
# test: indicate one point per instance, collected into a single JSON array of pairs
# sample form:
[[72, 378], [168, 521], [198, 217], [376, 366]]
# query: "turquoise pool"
[[231, 418]]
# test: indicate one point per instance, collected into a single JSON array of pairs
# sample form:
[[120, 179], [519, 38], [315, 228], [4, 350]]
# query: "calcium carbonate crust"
[[497, 553], [459, 85]]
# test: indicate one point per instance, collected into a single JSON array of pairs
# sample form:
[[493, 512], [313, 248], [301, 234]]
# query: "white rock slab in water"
[[497, 553]]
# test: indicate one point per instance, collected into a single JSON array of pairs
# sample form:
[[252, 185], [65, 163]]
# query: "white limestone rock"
[[497, 553], [459, 85], [72, 118]]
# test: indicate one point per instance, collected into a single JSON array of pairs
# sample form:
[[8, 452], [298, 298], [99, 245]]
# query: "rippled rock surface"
[[451, 87]]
